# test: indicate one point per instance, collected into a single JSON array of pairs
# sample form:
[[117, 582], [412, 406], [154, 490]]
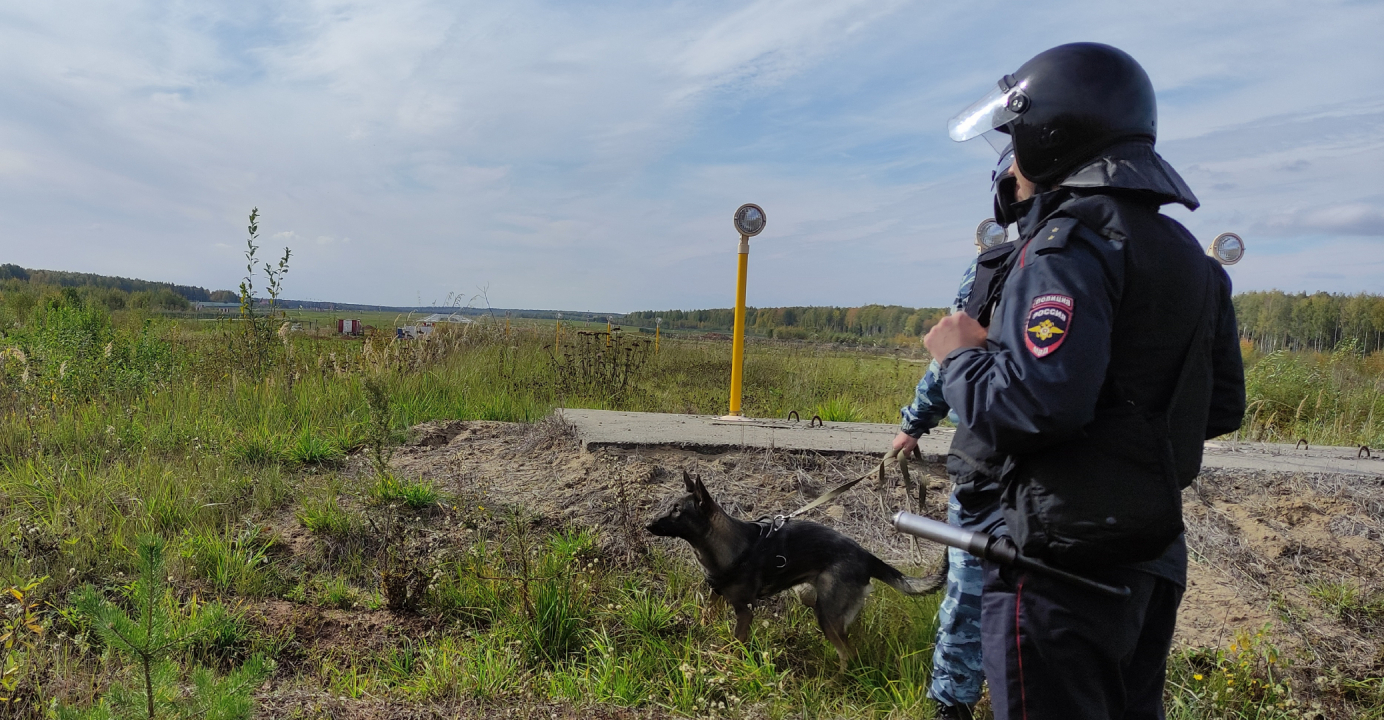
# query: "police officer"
[[1112, 354], [957, 672]]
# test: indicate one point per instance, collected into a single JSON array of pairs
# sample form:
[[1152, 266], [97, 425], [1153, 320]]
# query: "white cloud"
[[590, 156]]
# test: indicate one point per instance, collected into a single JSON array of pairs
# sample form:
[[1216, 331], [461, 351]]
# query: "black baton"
[[999, 550]]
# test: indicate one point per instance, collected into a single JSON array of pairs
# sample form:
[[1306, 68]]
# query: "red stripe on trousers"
[[1019, 648]]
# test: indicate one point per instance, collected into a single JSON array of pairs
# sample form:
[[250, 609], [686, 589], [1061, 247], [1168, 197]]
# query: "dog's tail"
[[891, 576]]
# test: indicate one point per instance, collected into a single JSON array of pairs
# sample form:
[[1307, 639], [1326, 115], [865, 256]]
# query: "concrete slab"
[[707, 433], [1288, 458], [710, 434]]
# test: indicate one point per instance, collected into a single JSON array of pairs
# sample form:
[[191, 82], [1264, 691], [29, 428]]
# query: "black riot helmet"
[[1064, 106]]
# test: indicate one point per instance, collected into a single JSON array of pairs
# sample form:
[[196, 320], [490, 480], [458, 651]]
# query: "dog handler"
[[1111, 357], [957, 673]]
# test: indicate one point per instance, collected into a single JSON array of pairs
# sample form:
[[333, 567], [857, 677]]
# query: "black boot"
[[955, 712]]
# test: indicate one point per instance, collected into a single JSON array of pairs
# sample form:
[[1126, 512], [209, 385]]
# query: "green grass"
[[207, 457], [1324, 398], [839, 409], [1346, 600], [326, 517], [416, 494], [637, 638], [312, 449], [232, 560]]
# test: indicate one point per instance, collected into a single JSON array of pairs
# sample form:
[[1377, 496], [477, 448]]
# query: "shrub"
[[70, 350]]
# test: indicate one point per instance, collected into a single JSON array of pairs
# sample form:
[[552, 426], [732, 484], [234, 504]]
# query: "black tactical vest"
[[1113, 493]]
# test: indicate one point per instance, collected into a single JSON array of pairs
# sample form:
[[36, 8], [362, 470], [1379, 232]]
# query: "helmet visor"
[[1004, 169], [986, 114]]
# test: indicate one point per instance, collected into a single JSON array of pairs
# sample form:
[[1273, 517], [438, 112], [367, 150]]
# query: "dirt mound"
[[1300, 554], [543, 468]]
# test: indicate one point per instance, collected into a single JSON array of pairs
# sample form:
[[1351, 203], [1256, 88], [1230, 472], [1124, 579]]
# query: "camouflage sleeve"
[[963, 292], [928, 406]]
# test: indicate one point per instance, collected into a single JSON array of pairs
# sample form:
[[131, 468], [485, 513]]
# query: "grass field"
[[152, 471]]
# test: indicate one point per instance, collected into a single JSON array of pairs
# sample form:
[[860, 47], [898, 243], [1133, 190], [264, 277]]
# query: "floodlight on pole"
[[749, 221], [989, 234], [1227, 248]]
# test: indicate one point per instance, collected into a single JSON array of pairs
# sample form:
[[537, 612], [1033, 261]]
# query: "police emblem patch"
[[1049, 320]]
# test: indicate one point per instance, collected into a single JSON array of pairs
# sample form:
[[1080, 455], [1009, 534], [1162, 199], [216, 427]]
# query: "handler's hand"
[[904, 443], [954, 331]]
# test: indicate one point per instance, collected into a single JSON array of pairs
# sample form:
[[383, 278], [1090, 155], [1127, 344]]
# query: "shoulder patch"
[[1048, 322]]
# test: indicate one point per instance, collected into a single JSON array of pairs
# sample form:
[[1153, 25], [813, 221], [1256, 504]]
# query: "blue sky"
[[590, 155]]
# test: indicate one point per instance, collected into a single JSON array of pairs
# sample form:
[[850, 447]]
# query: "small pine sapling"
[[161, 627]]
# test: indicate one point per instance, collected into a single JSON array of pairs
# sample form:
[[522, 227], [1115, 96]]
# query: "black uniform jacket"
[[1100, 306]]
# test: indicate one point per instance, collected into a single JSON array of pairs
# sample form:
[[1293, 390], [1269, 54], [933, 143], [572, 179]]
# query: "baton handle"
[[998, 550]]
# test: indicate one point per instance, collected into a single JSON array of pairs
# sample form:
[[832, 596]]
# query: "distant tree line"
[[1275, 320], [191, 293], [1272, 320], [836, 324], [22, 287]]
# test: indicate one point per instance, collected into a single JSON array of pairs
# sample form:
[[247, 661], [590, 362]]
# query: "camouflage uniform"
[[956, 662]]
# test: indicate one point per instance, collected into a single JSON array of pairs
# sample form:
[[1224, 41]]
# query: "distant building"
[[436, 318], [350, 327], [218, 308], [426, 325]]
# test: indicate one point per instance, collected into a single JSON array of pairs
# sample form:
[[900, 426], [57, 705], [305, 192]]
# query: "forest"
[[1275, 320], [1271, 320]]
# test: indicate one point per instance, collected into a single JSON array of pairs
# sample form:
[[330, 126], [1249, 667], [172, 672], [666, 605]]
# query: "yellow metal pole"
[[655, 339], [607, 333], [557, 340], [737, 360]]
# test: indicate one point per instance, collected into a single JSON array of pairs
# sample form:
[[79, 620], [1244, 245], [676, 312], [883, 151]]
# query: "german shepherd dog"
[[747, 561]]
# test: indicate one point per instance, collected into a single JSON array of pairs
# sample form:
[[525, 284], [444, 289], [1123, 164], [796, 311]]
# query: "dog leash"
[[771, 524], [878, 471]]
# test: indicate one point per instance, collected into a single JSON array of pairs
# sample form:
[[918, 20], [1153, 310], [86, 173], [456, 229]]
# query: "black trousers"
[[1054, 650]]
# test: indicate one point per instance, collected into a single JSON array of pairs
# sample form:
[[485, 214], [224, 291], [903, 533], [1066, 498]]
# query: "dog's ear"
[[703, 495], [687, 481]]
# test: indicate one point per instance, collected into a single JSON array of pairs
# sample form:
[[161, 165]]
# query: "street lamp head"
[[1227, 248], [750, 219]]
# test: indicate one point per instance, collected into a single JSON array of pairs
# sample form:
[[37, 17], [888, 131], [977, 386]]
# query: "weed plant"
[[21, 638]]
